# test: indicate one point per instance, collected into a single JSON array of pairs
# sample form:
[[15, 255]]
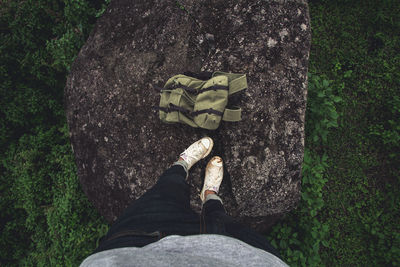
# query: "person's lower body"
[[215, 220], [165, 210]]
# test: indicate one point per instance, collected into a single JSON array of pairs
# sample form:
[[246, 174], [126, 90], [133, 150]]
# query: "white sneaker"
[[197, 151], [214, 175]]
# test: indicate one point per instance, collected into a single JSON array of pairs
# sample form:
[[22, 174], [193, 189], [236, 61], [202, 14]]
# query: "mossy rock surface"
[[121, 146]]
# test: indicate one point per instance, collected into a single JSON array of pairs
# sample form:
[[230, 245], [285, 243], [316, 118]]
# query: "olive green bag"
[[201, 103]]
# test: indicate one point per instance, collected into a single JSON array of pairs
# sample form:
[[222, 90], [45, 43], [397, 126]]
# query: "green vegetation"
[[46, 219], [349, 210], [301, 235]]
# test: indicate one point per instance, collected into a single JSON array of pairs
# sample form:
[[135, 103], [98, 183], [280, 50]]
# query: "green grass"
[[45, 217], [349, 210], [357, 46]]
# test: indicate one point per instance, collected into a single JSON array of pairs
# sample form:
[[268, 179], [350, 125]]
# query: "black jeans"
[[165, 210]]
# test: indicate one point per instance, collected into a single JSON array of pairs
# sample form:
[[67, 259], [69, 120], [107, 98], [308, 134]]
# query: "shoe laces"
[[195, 154]]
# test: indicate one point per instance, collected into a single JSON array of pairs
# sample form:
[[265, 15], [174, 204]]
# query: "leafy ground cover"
[[357, 46], [349, 211], [46, 220]]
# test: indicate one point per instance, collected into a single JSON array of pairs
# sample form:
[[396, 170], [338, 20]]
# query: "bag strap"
[[172, 108], [237, 85], [213, 87], [232, 114], [174, 86], [237, 82], [209, 111]]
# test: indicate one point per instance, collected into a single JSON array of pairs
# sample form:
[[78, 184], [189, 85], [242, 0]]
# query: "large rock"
[[121, 146]]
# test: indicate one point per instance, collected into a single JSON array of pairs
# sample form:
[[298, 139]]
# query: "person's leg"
[[215, 220], [155, 214], [163, 210], [169, 197], [170, 192], [212, 218]]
